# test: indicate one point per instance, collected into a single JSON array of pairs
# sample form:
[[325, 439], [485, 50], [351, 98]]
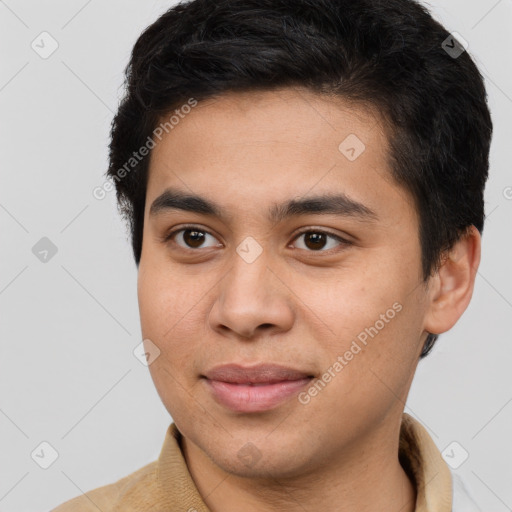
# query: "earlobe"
[[452, 286]]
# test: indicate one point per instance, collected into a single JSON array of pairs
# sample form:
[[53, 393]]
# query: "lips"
[[254, 388], [262, 373]]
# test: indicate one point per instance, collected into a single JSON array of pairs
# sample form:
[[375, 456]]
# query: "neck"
[[364, 479]]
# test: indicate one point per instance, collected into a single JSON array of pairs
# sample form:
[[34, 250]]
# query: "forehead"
[[265, 147]]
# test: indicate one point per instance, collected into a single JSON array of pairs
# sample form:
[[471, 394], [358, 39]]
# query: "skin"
[[296, 305]]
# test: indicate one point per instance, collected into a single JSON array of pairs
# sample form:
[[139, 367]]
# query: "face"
[[300, 252]]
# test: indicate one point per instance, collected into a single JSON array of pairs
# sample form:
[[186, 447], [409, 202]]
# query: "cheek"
[[373, 319], [373, 375], [174, 305], [167, 298], [347, 303], [167, 314]]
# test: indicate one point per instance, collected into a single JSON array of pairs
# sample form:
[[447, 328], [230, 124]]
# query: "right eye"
[[190, 238]]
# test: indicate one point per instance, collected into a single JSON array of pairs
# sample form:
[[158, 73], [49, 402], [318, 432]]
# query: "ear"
[[451, 288]]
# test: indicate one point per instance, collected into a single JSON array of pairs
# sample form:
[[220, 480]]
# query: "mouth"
[[253, 389]]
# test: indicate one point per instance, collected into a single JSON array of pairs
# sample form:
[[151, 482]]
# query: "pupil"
[[317, 239], [196, 238]]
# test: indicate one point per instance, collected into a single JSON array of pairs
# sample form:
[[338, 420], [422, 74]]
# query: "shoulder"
[[108, 498]]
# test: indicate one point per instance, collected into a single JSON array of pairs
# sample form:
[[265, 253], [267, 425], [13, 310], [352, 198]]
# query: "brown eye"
[[193, 238], [190, 237], [318, 241], [314, 240]]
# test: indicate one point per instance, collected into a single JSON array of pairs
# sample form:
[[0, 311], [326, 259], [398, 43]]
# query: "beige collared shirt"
[[166, 485]]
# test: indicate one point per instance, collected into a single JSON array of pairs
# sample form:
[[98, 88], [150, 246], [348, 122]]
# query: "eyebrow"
[[337, 204]]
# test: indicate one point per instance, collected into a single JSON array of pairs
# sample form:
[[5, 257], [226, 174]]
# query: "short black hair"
[[388, 54]]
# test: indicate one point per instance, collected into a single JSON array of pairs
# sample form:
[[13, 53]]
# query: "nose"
[[252, 298]]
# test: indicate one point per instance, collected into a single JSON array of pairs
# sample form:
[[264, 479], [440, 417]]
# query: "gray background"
[[69, 325]]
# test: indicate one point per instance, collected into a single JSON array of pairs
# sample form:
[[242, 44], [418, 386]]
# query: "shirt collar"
[[418, 454], [422, 460]]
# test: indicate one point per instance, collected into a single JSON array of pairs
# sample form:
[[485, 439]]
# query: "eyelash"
[[344, 243]]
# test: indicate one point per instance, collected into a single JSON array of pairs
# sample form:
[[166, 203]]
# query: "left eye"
[[317, 240]]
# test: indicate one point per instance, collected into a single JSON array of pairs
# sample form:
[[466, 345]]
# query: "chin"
[[253, 463]]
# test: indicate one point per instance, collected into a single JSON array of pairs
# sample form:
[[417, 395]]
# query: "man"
[[304, 186]]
